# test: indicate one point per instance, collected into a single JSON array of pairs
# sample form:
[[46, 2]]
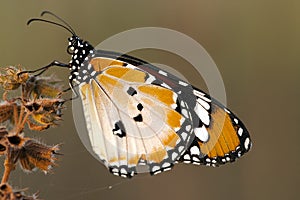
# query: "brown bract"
[[7, 193], [42, 86], [38, 104], [44, 113], [30, 153], [10, 80]]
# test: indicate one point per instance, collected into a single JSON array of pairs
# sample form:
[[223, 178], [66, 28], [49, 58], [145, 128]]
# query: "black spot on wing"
[[119, 129], [131, 91], [138, 118], [157, 82], [178, 107], [140, 107]]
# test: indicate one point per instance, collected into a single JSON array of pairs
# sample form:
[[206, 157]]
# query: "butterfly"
[[139, 115]]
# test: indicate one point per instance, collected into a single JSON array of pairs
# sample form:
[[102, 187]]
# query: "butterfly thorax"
[[80, 51]]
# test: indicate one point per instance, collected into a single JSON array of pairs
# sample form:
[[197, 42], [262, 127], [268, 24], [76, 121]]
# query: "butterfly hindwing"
[[228, 139]]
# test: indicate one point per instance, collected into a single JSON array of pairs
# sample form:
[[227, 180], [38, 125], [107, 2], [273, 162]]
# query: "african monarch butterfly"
[[138, 114]]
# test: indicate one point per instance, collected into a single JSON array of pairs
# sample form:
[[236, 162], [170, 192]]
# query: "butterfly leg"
[[45, 68], [73, 90], [68, 89], [72, 86]]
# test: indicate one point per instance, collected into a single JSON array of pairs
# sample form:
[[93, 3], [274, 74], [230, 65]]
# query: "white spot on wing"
[[157, 172], [184, 113], [195, 150], [205, 98], [188, 127], [247, 143], [76, 81], [186, 157], [226, 110], [182, 104], [203, 103], [240, 131], [131, 66], [166, 86], [184, 135], [198, 93], [174, 155], [118, 132], [181, 148], [162, 73], [150, 79], [115, 170], [202, 134], [183, 83], [93, 73], [202, 114], [123, 171], [155, 168], [236, 120], [166, 165]]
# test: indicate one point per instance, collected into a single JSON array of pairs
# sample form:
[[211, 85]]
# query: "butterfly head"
[[79, 49]]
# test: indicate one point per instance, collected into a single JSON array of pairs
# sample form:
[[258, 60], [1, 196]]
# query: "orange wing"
[[227, 138]]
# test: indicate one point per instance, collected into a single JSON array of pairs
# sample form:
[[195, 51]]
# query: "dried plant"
[[37, 105]]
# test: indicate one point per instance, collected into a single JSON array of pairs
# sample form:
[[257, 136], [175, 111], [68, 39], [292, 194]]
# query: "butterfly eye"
[[72, 44], [70, 49]]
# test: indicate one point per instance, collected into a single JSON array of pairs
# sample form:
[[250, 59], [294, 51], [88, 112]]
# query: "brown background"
[[256, 47]]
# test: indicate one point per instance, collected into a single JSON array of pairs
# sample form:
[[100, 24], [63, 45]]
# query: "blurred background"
[[255, 45]]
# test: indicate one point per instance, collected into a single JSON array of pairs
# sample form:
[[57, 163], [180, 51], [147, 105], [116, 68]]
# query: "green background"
[[255, 45]]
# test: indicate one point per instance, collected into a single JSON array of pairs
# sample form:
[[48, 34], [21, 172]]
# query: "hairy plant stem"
[[8, 167]]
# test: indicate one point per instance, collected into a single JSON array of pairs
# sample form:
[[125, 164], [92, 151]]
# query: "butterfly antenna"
[[50, 22], [59, 18]]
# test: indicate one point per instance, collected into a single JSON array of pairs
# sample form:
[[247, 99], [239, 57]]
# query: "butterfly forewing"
[[136, 122]]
